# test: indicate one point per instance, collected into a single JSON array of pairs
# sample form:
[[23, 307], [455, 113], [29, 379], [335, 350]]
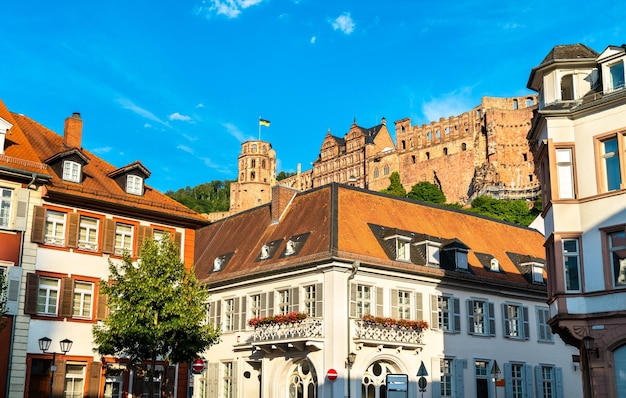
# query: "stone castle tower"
[[256, 176]]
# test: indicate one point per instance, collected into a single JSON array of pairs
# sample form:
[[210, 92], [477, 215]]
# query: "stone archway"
[[373, 380], [302, 380]]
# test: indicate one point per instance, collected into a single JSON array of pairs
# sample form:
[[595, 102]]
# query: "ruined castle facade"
[[481, 152]]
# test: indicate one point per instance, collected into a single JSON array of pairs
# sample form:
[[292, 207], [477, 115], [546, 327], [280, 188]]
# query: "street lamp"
[[495, 371], [44, 345]]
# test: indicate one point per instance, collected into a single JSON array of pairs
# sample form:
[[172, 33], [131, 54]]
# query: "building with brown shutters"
[[81, 213], [341, 278]]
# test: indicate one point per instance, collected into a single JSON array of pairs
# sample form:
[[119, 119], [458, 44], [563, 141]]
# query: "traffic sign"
[[331, 374], [197, 366], [422, 382]]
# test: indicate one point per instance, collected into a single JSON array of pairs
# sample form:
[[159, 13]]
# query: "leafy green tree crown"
[[395, 186], [427, 192]]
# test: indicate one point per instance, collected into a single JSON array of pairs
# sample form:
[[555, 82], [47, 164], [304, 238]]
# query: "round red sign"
[[197, 366], [331, 374]]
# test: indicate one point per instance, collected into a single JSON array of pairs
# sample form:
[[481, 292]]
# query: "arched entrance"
[[373, 381], [302, 381], [619, 359]]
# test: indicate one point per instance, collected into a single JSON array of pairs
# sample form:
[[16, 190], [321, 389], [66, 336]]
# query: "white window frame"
[[403, 249], [88, 233], [134, 184], [229, 315], [616, 85], [283, 301], [404, 304], [481, 317], [6, 206], [515, 318], [548, 382], [55, 228], [72, 378], [309, 300], [125, 238], [255, 305], [71, 171], [227, 380], [448, 313], [569, 254], [446, 372], [565, 173], [364, 301], [517, 380], [83, 299], [48, 295]]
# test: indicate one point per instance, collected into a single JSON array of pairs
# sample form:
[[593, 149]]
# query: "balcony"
[[390, 336], [288, 335]]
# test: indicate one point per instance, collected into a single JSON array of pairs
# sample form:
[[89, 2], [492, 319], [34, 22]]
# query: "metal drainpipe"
[[355, 268]]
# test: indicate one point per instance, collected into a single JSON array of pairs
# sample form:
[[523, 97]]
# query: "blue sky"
[[180, 85]]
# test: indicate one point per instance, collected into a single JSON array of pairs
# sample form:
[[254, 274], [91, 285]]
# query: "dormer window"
[[217, 264], [134, 184], [403, 249], [265, 252], [290, 248], [494, 265], [536, 272], [616, 75], [71, 171]]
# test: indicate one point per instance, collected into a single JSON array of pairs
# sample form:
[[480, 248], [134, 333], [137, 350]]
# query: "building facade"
[[343, 280], [82, 213], [580, 129]]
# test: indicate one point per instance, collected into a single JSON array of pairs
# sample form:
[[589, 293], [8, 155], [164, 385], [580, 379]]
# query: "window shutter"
[[436, 377], [319, 300], [178, 241], [379, 301], [21, 213], [263, 309], [103, 309], [394, 303], [270, 303], [59, 380], [236, 314], [143, 232], [459, 365], [525, 322], [213, 373], [353, 300], [558, 377], [13, 289], [505, 321], [456, 304], [492, 320], [38, 233], [32, 288], [94, 379], [67, 293], [541, 330], [528, 379], [470, 316], [538, 382], [243, 313], [434, 312], [72, 229], [295, 299], [108, 236], [234, 379], [419, 306], [508, 383]]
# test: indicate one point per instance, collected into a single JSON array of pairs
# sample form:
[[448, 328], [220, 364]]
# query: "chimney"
[[73, 131], [281, 198]]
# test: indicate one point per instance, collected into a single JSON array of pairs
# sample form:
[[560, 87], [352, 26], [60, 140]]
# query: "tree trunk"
[[151, 375]]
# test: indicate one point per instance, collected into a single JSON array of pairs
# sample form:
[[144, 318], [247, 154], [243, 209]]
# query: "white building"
[[337, 254], [580, 128]]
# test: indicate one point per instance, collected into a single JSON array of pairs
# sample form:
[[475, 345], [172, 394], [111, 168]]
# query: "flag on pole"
[[263, 122]]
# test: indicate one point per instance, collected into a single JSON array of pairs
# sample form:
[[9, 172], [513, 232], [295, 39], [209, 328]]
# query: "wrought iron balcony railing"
[[308, 328], [371, 333]]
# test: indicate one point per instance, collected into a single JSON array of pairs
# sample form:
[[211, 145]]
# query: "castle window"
[[464, 147], [438, 134], [429, 136], [403, 144], [376, 173], [403, 129], [413, 159], [263, 163], [254, 148], [445, 151], [253, 163], [411, 142], [386, 170], [515, 105], [427, 155], [252, 176], [530, 102], [525, 156], [447, 130]]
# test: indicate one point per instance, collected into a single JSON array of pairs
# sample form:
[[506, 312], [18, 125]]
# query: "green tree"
[[395, 186], [513, 211], [427, 192], [282, 175], [157, 309], [204, 198]]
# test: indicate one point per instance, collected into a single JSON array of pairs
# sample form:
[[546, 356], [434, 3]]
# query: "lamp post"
[[44, 345], [588, 345], [495, 371]]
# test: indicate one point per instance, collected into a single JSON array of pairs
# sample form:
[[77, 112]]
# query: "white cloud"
[[200, 105], [147, 125], [130, 105], [228, 8], [185, 148], [178, 116], [313, 40], [343, 23], [450, 104], [235, 132], [101, 150]]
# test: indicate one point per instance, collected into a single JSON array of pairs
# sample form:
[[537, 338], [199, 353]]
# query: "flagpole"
[[259, 123]]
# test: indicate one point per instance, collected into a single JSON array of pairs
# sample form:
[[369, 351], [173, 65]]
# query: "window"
[[617, 252], [83, 294], [74, 380], [227, 378], [88, 233], [55, 228], [229, 315], [482, 379], [565, 173], [158, 235], [48, 296], [71, 171], [403, 249], [517, 381], [283, 301], [363, 300], [309, 300], [567, 87], [610, 164], [515, 105], [530, 102], [571, 264], [544, 333], [445, 151], [515, 321], [464, 146], [123, 238], [547, 382], [386, 169], [449, 315], [403, 307], [616, 75], [134, 184], [445, 370], [6, 197], [376, 173], [481, 318], [255, 306]]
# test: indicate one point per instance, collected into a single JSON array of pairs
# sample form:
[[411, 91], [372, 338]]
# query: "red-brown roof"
[[338, 220]]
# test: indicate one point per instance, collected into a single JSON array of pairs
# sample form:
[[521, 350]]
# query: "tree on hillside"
[[427, 192], [204, 198], [282, 175], [157, 309], [395, 186], [514, 211]]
